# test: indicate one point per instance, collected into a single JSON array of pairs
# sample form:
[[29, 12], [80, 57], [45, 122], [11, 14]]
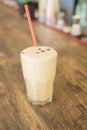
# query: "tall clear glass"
[[39, 69]]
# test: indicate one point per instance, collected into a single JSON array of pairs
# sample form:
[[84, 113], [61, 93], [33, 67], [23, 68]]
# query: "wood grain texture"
[[68, 110]]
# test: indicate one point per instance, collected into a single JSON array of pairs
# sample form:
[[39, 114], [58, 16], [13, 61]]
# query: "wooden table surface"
[[68, 110]]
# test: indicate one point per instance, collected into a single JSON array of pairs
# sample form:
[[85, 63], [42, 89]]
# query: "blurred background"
[[69, 16]]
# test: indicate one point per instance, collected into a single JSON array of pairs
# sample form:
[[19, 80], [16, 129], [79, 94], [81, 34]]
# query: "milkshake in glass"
[[39, 68]]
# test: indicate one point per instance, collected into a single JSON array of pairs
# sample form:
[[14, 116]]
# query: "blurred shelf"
[[78, 38]]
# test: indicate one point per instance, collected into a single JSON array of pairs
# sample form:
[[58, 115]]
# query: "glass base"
[[35, 102]]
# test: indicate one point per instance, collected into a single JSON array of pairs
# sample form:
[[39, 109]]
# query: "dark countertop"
[[68, 110]]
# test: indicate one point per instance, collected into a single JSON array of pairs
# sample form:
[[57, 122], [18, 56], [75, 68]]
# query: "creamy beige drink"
[[39, 67]]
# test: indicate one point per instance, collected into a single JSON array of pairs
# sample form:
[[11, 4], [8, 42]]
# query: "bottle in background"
[[61, 20], [76, 29], [81, 10], [42, 10], [78, 8], [83, 22], [52, 11]]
